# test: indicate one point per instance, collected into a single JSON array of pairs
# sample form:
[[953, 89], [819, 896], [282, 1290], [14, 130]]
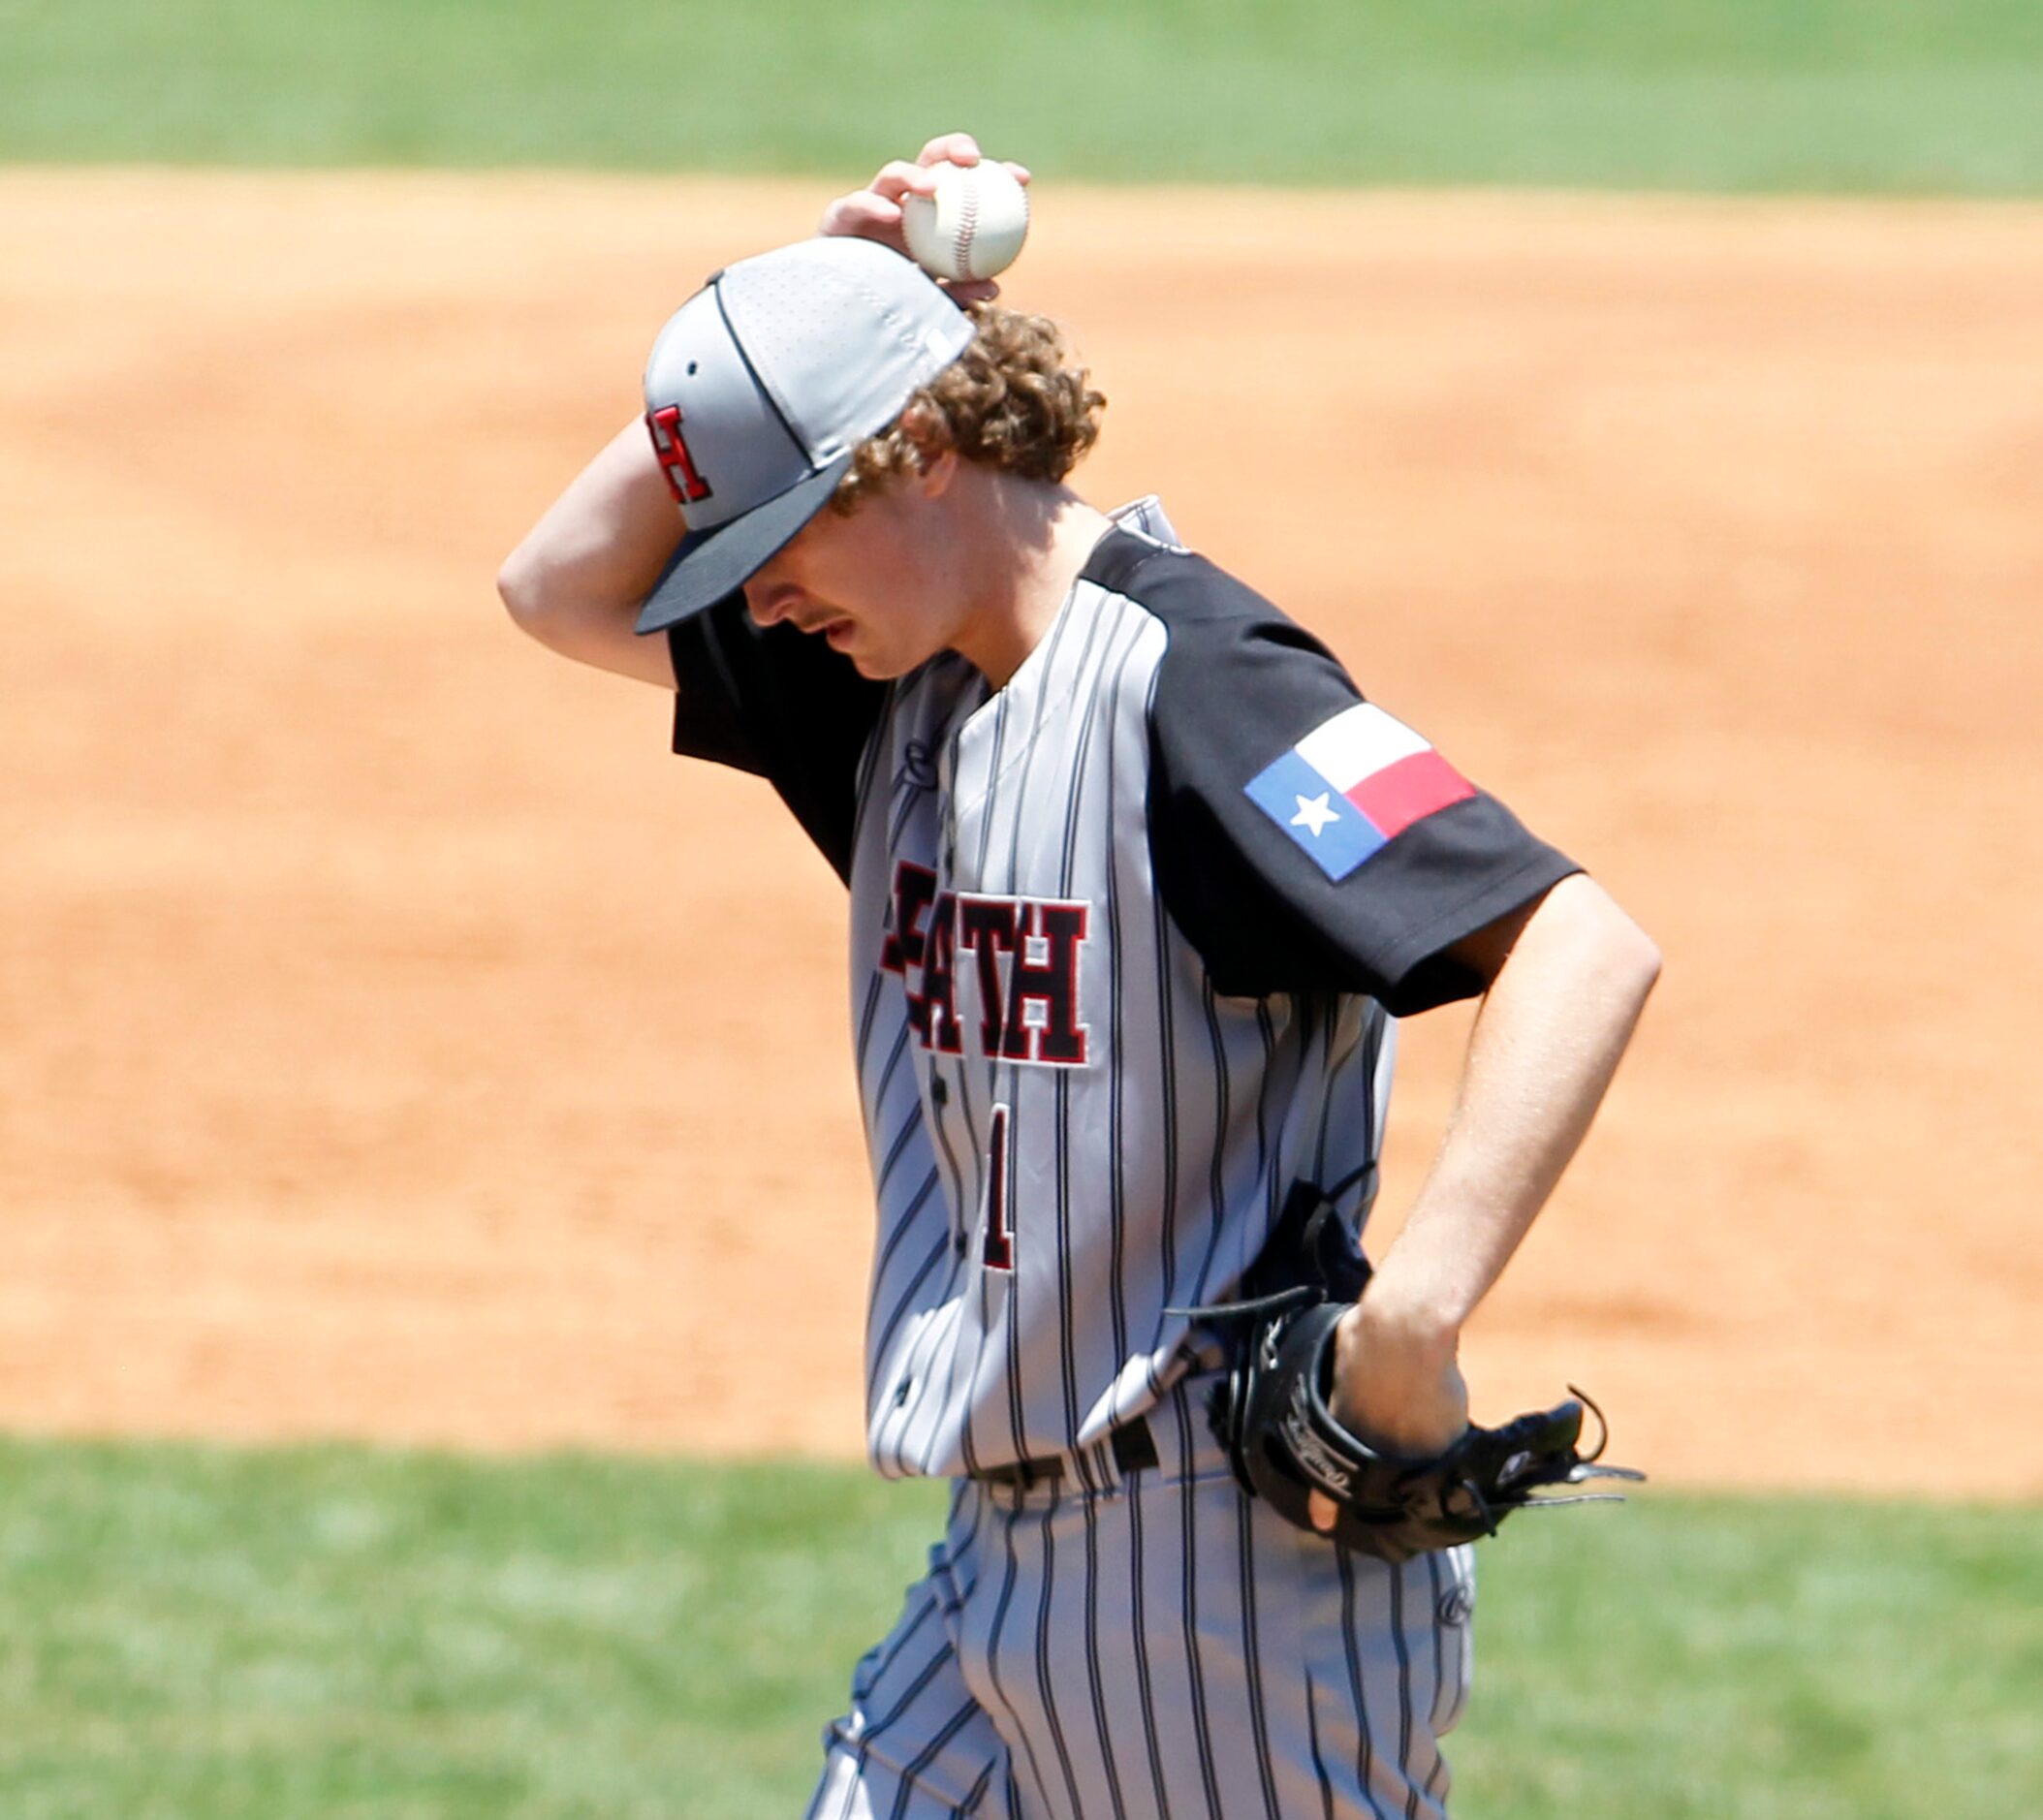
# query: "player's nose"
[[770, 602]]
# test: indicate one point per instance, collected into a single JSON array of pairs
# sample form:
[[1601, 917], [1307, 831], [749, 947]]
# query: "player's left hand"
[[1289, 1447], [1344, 1410], [875, 212]]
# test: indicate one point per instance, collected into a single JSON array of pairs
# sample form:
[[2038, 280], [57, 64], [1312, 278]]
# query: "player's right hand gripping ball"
[[973, 227], [1272, 1415]]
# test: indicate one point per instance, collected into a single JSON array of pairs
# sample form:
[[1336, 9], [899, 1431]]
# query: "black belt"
[[1133, 1446]]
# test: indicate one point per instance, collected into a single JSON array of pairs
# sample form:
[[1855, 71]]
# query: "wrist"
[[1407, 1338], [1417, 1317]]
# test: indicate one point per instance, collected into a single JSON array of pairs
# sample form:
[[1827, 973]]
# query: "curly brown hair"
[[1015, 400]]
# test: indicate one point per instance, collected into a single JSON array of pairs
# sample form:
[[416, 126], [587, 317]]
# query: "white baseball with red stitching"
[[974, 225]]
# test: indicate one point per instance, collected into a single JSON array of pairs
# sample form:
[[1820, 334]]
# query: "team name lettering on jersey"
[[1018, 955]]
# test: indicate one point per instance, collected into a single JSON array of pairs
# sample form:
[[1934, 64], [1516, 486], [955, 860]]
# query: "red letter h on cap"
[[672, 448]]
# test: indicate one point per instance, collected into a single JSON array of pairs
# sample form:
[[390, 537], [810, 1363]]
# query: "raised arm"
[[577, 579], [576, 582]]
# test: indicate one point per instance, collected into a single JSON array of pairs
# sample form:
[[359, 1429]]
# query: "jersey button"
[[939, 1093]]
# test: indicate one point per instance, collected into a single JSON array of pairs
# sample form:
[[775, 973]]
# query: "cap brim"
[[714, 563]]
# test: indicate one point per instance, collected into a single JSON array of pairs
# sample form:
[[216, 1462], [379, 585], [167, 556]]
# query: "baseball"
[[974, 225]]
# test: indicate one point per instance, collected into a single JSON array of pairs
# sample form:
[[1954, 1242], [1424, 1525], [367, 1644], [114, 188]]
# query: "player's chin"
[[874, 665], [879, 655]]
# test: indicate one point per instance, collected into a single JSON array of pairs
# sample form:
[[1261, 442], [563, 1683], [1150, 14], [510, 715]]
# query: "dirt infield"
[[394, 1041]]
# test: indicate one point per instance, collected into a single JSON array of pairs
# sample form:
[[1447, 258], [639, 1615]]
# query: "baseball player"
[[1138, 881]]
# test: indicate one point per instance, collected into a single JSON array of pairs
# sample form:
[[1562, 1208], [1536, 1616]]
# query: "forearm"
[[1546, 1043], [577, 581]]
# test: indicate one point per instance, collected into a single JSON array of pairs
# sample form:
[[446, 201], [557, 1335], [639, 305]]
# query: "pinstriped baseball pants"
[[1165, 1649]]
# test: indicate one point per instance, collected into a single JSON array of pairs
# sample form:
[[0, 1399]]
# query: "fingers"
[[897, 179], [868, 214], [875, 212], [962, 148], [949, 148]]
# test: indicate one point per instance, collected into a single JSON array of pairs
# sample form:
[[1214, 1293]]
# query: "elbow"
[[1631, 957], [519, 586], [1644, 961], [1650, 959], [1612, 947], [529, 596]]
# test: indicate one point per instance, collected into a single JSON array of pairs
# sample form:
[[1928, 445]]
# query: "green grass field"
[[1829, 95], [220, 1633]]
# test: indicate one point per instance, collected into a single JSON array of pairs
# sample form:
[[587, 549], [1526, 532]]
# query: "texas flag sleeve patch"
[[1353, 785]]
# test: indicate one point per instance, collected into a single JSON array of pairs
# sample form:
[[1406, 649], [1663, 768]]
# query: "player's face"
[[880, 585]]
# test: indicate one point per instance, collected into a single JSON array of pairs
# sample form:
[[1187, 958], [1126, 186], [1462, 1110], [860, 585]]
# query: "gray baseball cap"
[[762, 384]]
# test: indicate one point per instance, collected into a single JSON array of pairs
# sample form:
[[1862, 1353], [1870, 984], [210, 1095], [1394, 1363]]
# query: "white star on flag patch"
[[1353, 784], [1313, 816]]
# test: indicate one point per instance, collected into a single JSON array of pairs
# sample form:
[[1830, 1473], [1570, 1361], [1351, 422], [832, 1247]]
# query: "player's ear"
[[938, 471], [935, 459]]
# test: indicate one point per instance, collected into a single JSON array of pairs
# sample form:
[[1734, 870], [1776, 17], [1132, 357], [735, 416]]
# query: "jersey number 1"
[[999, 1250]]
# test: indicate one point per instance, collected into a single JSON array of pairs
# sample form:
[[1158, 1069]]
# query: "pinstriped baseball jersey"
[[1126, 938]]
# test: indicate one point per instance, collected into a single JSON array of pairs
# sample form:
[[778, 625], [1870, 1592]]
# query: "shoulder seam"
[[1222, 597]]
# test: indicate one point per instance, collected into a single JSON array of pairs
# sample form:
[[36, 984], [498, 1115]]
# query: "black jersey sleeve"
[[1303, 839], [779, 704]]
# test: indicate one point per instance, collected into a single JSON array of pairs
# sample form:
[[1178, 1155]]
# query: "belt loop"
[[1134, 1447]]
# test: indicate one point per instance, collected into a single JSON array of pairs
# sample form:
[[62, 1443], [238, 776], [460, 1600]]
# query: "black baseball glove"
[[1272, 1415]]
